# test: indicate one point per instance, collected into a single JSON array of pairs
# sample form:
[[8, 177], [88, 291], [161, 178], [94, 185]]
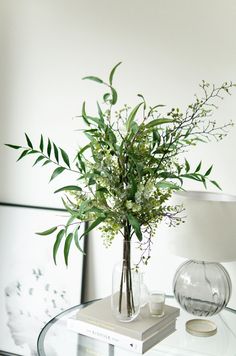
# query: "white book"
[[99, 314], [120, 340]]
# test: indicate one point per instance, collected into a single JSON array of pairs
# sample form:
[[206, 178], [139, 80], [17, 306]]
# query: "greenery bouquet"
[[126, 172]]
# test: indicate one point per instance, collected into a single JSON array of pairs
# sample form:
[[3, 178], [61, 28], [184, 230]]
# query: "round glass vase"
[[202, 288], [125, 298]]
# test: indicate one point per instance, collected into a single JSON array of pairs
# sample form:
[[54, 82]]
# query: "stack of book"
[[96, 321]]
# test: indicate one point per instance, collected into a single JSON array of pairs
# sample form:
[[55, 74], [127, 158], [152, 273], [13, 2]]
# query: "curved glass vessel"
[[202, 288]]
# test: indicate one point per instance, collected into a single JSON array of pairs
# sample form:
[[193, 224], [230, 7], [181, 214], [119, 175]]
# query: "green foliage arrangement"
[[131, 165]]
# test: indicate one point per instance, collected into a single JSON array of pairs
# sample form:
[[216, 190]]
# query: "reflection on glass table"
[[57, 340]]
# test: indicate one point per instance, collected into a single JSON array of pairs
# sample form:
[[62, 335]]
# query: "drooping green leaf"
[[67, 245], [114, 96], [95, 79], [57, 244], [204, 181], [135, 225], [65, 157], [208, 171], [69, 187], [152, 109], [157, 122], [81, 164], [29, 143], [41, 145], [46, 162], [13, 146], [94, 224], [49, 148], [38, 160], [31, 152], [144, 101], [113, 72], [132, 115], [47, 232], [76, 240], [56, 172], [83, 149], [84, 115], [216, 184], [56, 153], [23, 154]]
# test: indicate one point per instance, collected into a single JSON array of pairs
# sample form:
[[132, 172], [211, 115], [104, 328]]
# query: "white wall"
[[167, 48]]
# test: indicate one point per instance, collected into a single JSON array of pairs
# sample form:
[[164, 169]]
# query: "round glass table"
[[56, 339]]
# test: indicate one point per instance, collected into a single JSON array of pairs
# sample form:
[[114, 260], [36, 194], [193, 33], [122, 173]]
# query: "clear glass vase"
[[125, 299], [202, 288]]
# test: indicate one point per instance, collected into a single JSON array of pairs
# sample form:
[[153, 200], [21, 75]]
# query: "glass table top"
[[56, 339]]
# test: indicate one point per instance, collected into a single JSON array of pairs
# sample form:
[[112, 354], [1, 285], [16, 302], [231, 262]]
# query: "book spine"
[[108, 336], [117, 339]]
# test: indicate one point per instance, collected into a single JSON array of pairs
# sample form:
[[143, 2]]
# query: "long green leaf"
[[57, 244], [23, 154], [95, 79], [84, 115], [157, 122], [56, 154], [29, 143], [41, 145], [38, 160], [32, 152], [198, 167], [56, 172], [216, 184], [136, 226], [132, 116], [81, 164], [114, 96], [94, 224], [69, 187], [154, 107], [112, 73], [47, 232], [144, 101], [13, 146], [67, 245], [46, 162], [208, 171], [84, 149], [65, 157], [49, 148], [76, 240]]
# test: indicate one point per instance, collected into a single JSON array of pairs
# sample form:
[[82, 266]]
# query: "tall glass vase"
[[125, 299]]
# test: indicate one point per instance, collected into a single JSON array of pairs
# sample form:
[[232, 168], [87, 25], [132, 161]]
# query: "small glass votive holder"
[[157, 303]]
